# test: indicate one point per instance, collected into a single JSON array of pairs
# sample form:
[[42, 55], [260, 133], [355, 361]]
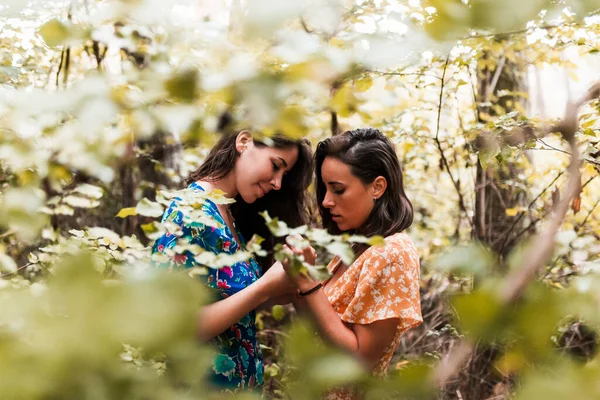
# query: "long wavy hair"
[[369, 154], [289, 203]]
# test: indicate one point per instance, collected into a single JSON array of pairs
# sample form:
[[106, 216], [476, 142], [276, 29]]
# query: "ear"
[[378, 187], [243, 139]]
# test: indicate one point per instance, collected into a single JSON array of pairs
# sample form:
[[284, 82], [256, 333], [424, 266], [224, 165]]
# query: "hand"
[[277, 282], [296, 244], [302, 280]]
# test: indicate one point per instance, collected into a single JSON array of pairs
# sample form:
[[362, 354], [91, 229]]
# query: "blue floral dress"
[[238, 364]]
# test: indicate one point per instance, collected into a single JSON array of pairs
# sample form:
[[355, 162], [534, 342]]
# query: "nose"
[[327, 202], [276, 182]]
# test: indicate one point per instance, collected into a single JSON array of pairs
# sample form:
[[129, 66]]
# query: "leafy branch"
[[542, 246]]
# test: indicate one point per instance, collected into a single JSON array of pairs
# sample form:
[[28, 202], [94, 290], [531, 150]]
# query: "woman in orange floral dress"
[[366, 306]]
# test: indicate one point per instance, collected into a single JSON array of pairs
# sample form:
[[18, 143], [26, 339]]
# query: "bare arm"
[[279, 300], [367, 342], [215, 318]]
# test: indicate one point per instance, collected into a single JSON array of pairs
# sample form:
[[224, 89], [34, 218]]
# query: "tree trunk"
[[498, 188]]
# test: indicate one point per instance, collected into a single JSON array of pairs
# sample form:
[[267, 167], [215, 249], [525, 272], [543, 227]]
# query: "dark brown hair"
[[289, 203], [369, 154]]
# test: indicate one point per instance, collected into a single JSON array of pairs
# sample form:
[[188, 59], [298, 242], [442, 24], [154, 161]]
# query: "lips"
[[335, 217], [262, 191]]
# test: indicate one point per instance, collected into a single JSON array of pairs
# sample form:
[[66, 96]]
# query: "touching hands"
[[278, 282], [302, 281]]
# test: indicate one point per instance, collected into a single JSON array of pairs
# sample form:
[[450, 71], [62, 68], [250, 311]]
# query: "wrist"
[[304, 284], [312, 290]]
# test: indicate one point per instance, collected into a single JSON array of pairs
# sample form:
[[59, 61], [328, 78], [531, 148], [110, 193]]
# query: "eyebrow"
[[285, 164], [335, 183]]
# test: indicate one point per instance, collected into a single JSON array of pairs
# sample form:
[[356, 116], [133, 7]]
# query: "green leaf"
[[342, 250], [104, 234], [126, 212], [183, 85], [473, 259], [149, 208], [278, 312], [272, 370], [487, 156], [91, 191], [7, 264], [336, 369], [478, 314], [80, 202], [54, 32], [363, 84]]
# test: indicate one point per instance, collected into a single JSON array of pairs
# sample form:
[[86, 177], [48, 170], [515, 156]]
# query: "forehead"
[[289, 154], [335, 170]]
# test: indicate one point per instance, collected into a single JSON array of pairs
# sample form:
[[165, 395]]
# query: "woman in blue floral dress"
[[260, 177]]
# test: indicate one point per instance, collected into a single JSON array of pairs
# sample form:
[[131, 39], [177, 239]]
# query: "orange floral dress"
[[381, 283]]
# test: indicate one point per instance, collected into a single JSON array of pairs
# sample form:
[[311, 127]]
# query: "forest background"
[[106, 106]]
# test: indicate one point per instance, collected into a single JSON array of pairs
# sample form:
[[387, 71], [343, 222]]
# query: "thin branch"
[[492, 86], [7, 233], [549, 147], [15, 271], [534, 222], [588, 215], [515, 32], [516, 221], [406, 74], [461, 201]]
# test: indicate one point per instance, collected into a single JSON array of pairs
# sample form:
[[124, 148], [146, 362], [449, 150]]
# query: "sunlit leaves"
[[155, 311], [479, 314], [473, 259], [454, 18], [183, 85], [315, 362], [148, 208], [20, 211], [126, 212], [54, 32]]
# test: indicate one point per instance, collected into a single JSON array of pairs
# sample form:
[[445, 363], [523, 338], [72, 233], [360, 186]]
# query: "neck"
[[226, 185]]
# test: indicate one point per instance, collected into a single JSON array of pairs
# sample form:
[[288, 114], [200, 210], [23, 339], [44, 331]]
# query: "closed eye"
[[276, 167]]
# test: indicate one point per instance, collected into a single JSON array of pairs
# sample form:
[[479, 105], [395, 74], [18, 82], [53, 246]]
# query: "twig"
[[461, 201], [7, 233], [15, 271], [588, 160], [516, 221], [528, 227], [515, 32], [588, 215], [406, 74], [492, 86]]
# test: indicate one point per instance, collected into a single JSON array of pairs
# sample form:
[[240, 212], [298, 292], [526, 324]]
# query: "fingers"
[[289, 251], [290, 244]]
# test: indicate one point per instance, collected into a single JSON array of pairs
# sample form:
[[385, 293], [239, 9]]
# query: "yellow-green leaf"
[[278, 312], [126, 212], [364, 84], [54, 32]]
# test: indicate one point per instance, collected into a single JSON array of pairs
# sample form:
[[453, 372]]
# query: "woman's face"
[[347, 198], [261, 169]]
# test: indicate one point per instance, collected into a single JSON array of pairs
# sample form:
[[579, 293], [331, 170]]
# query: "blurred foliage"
[[107, 105]]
